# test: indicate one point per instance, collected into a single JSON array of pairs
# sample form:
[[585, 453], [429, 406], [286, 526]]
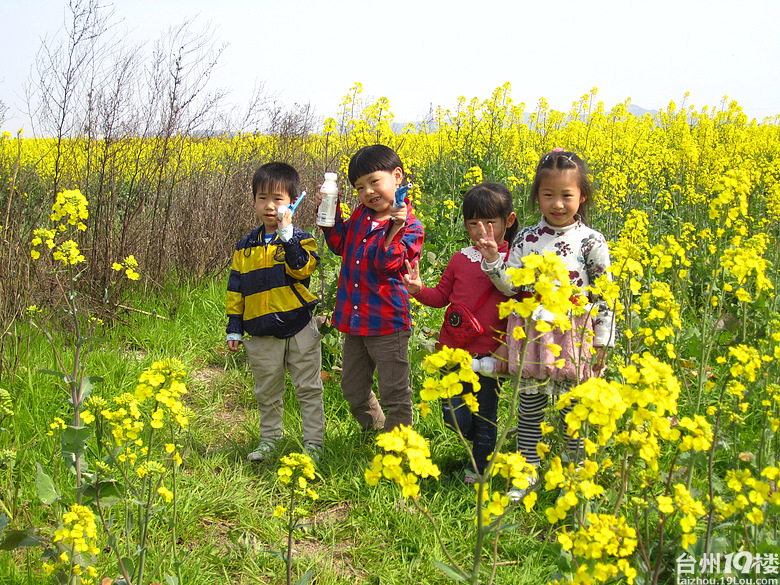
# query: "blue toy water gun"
[[283, 208], [400, 195]]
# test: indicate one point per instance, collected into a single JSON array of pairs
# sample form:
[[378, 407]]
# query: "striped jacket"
[[267, 292]]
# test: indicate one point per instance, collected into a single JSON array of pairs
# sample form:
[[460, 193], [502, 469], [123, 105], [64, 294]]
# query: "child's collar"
[[259, 235], [565, 228], [475, 255]]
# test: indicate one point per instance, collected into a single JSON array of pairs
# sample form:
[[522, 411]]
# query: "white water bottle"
[[484, 365], [326, 213]]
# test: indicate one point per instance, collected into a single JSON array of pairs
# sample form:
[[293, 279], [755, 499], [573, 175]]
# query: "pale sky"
[[419, 53]]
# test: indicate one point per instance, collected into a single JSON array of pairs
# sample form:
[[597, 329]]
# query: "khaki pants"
[[301, 355], [388, 355]]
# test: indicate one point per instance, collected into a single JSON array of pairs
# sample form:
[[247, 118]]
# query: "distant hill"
[[638, 111]]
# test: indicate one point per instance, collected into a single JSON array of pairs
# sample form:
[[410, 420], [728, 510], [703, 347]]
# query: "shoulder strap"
[[484, 297]]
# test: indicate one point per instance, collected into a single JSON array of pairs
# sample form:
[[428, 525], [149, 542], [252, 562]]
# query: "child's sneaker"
[[263, 451], [517, 494], [314, 451]]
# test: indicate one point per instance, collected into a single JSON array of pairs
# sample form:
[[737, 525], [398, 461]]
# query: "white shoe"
[[517, 494], [262, 452], [314, 451]]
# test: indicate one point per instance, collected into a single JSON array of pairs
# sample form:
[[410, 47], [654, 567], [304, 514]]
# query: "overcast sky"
[[420, 53]]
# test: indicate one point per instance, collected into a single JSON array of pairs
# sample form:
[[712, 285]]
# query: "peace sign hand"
[[412, 279], [486, 243]]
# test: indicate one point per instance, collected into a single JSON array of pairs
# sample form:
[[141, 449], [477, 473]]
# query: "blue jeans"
[[481, 427]]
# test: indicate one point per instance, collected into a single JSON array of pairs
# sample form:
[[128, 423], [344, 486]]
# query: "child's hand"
[[285, 218], [486, 243], [502, 359], [398, 214], [412, 280], [319, 196], [233, 344]]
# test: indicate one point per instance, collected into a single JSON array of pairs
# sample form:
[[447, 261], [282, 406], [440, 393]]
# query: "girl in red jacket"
[[464, 284]]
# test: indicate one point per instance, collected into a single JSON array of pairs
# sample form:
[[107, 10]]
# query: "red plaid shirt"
[[371, 298]]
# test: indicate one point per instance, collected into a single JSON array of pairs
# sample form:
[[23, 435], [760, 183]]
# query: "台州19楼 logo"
[[726, 569]]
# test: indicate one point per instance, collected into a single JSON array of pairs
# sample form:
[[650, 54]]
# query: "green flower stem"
[[624, 470], [474, 578], [660, 530], [462, 439], [174, 515], [145, 525], [128, 483], [706, 347], [114, 548], [641, 543], [659, 556], [494, 568], [710, 467], [290, 529]]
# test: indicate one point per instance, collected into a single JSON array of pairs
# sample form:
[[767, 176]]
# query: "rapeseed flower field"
[[680, 435]]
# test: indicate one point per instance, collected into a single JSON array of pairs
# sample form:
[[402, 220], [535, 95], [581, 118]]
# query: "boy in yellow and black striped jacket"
[[270, 310]]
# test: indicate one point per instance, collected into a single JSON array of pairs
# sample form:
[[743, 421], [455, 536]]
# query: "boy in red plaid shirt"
[[372, 304]]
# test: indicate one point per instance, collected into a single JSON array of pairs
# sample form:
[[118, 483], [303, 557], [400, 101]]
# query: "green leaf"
[[74, 447], [4, 520], [171, 580], [108, 492], [61, 375], [87, 384], [47, 493], [127, 562], [75, 438], [453, 574], [19, 538], [565, 561], [505, 528], [71, 457], [305, 578]]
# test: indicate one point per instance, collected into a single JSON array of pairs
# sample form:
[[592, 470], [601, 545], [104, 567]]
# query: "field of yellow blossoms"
[[681, 433]]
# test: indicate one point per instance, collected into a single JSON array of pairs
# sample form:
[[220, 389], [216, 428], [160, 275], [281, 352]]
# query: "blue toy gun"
[[400, 195], [295, 205], [283, 208]]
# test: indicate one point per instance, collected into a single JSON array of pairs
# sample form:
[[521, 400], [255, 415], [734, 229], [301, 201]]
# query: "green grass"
[[357, 534]]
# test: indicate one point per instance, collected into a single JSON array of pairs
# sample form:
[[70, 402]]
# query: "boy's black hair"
[[277, 174], [490, 200], [562, 160], [369, 159]]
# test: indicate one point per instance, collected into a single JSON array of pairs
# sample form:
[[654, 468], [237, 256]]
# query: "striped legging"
[[530, 415]]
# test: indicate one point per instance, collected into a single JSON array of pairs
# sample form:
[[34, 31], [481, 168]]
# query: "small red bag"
[[461, 325]]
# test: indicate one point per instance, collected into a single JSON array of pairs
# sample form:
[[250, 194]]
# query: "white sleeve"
[[597, 263], [496, 271]]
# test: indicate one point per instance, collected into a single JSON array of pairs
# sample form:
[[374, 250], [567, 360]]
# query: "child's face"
[[560, 197], [499, 227], [267, 202], [377, 191]]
